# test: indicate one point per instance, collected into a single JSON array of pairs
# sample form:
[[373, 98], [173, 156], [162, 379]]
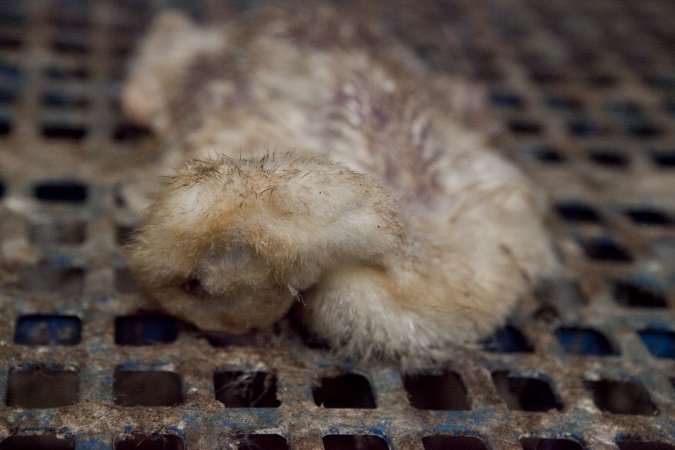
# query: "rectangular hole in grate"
[[635, 294], [5, 126], [53, 278], [524, 393], [10, 76], [70, 46], [584, 341], [65, 233], [624, 109], [642, 128], [602, 80], [547, 154], [621, 397], [508, 339], [632, 120], [634, 444], [487, 71], [68, 22], [7, 97], [533, 443], [525, 126], [61, 191], [38, 442], [442, 442], [663, 158], [57, 73], [575, 211], [125, 132], [354, 442], [649, 216], [128, 30], [62, 100], [151, 442], [71, 11], [669, 107], [145, 329], [506, 99], [72, 24], [546, 76], [147, 388], [608, 158], [263, 442], [563, 102], [349, 390], [658, 79], [42, 388], [660, 343], [48, 329], [606, 249], [2, 189], [70, 131], [585, 127], [246, 389], [439, 392]]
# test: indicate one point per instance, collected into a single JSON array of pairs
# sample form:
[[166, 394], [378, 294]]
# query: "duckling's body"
[[325, 168]]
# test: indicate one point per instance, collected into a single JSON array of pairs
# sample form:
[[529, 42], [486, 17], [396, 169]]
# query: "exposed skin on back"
[[324, 161]]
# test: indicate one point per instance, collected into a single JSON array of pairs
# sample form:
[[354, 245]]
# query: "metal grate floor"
[[586, 95]]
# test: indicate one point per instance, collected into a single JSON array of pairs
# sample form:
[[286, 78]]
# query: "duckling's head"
[[229, 244]]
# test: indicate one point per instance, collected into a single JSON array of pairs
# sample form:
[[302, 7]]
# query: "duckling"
[[320, 162]]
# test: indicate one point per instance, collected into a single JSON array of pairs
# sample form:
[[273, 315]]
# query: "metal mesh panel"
[[586, 94]]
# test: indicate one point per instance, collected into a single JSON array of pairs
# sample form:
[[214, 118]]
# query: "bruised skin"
[[404, 232]]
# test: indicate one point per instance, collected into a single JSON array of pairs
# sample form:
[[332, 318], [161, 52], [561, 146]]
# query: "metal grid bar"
[[586, 93]]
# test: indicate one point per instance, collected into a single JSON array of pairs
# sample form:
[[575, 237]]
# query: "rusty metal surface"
[[585, 93]]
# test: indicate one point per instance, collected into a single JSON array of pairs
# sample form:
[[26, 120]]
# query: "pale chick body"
[[324, 166]]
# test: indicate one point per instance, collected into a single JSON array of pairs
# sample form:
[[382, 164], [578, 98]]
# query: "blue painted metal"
[[661, 343], [47, 330]]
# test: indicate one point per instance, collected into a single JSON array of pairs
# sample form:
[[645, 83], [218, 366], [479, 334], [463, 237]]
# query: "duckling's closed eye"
[[193, 286], [214, 268]]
